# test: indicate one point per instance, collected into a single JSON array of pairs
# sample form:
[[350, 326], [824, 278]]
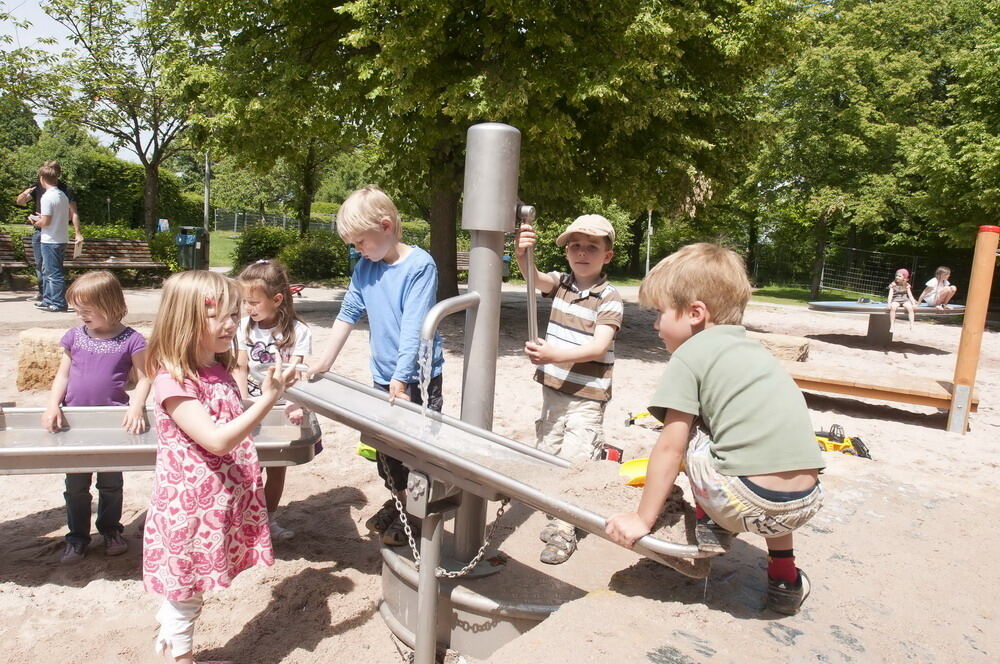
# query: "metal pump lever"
[[526, 215]]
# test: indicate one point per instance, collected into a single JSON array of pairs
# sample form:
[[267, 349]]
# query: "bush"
[[259, 242], [163, 248], [318, 255]]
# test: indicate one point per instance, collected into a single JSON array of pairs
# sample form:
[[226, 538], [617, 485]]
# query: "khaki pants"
[[571, 428]]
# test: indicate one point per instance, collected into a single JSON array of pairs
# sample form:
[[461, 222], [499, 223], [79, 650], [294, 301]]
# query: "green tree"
[[112, 80], [632, 100], [878, 126]]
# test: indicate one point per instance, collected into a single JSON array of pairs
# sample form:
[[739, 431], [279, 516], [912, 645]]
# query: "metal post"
[[425, 636], [970, 344], [489, 211], [526, 214], [649, 236], [208, 188]]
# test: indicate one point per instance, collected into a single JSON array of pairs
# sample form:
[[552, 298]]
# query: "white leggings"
[[177, 625]]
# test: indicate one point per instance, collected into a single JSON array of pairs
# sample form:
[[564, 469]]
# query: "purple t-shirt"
[[99, 368]]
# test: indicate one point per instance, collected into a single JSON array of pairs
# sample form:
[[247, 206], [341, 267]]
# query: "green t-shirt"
[[756, 415]]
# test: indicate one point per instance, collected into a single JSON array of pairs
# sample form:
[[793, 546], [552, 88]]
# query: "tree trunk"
[[150, 198], [304, 205], [753, 240], [636, 260], [820, 233], [445, 189]]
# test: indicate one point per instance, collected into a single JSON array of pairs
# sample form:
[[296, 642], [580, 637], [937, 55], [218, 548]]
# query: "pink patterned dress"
[[207, 520]]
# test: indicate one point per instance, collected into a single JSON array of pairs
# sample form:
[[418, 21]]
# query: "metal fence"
[[869, 272], [228, 220]]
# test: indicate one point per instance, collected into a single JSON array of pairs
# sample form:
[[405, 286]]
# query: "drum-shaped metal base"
[[468, 622]]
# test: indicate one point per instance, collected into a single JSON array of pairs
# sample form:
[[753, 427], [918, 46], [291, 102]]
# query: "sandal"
[[558, 549]]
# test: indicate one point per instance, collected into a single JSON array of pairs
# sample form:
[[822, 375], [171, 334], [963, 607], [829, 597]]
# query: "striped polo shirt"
[[575, 316]]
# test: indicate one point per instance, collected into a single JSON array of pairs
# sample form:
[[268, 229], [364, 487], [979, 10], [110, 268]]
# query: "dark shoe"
[[786, 598], [395, 534], [73, 553], [115, 544], [558, 549], [381, 520], [40, 304], [54, 309], [711, 537]]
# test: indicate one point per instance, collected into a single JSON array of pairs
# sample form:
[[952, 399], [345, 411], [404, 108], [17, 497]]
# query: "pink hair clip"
[[210, 302]]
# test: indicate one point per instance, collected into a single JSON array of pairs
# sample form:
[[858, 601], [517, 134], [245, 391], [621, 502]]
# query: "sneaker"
[[40, 304], [279, 534], [395, 534], [115, 544], [711, 537], [54, 309], [786, 598], [73, 553], [558, 549], [385, 517]]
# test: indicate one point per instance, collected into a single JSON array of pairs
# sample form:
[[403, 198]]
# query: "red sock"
[[698, 512], [781, 566]]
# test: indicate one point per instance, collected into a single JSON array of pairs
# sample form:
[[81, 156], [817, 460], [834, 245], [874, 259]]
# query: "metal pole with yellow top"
[[980, 284]]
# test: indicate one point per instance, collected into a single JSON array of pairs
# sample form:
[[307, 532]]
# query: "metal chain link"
[[440, 572]]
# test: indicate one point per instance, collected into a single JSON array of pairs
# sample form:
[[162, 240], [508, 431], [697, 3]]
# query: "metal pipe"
[[427, 589], [971, 342], [489, 211], [526, 214], [445, 308]]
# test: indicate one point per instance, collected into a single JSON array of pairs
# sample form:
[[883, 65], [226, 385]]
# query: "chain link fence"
[[869, 272], [236, 222]]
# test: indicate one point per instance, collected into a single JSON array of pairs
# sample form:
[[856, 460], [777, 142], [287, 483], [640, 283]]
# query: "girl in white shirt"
[[270, 329], [939, 291]]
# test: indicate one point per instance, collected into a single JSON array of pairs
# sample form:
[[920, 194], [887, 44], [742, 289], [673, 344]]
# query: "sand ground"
[[902, 559]]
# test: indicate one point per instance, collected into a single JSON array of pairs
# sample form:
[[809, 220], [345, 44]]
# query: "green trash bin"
[[192, 248]]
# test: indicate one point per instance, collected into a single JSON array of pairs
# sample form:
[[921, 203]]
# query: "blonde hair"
[[707, 272], [179, 327], [362, 212], [271, 278], [100, 290]]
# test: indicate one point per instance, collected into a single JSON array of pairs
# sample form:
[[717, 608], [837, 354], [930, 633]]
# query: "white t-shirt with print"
[[55, 204], [261, 346], [936, 287]]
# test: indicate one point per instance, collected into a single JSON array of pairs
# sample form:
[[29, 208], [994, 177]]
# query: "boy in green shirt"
[[732, 416]]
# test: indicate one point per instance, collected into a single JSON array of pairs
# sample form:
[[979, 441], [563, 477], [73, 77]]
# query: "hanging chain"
[[440, 572]]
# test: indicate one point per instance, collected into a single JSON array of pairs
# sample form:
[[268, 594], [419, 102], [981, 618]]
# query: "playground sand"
[[902, 568]]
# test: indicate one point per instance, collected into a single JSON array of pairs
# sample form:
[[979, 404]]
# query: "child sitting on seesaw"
[[900, 294], [732, 416], [938, 291]]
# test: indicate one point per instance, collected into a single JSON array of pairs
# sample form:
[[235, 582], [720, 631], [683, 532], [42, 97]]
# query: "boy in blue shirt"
[[396, 285]]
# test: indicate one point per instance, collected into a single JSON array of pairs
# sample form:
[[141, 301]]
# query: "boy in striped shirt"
[[577, 355]]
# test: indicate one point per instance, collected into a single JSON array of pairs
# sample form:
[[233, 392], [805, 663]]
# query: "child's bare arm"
[[241, 373], [341, 330], [525, 239], [219, 439], [52, 418], [661, 473], [542, 352], [135, 417]]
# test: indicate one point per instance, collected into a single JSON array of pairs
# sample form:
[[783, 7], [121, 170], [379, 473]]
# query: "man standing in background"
[[53, 221], [34, 193]]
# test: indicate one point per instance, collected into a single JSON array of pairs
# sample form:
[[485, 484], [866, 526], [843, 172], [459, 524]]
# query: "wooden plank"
[[901, 388]]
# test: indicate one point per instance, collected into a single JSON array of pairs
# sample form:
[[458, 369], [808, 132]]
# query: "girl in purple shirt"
[[98, 358]]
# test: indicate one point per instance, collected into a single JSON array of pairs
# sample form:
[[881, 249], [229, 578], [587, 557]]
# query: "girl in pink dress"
[[207, 520]]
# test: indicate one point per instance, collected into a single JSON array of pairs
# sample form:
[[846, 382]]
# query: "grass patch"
[[799, 295], [220, 248]]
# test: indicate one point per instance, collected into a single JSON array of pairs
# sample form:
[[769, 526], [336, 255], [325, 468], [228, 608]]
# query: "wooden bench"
[[900, 388], [8, 260], [462, 263], [106, 254]]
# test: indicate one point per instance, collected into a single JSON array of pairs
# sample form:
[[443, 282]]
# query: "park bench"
[[902, 388], [8, 260], [106, 253], [462, 263]]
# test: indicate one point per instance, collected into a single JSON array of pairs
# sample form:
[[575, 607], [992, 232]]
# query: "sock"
[[781, 566], [699, 513]]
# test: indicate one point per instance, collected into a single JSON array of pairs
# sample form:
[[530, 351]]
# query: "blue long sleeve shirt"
[[396, 298]]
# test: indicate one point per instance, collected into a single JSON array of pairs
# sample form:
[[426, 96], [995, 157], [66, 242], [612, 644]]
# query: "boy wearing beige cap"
[[577, 355]]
